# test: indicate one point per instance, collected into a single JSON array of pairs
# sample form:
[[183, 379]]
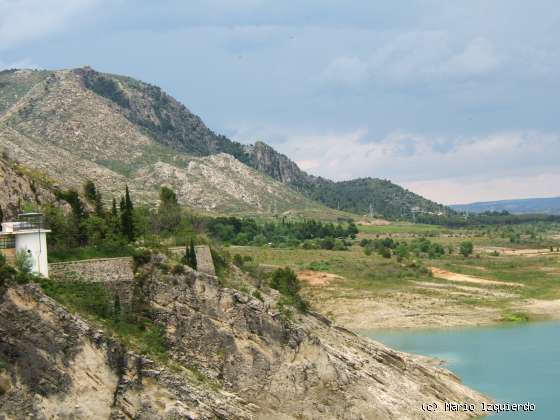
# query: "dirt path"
[[464, 278], [374, 222], [519, 252], [317, 278]]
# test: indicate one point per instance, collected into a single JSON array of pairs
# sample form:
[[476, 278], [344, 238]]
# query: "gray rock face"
[[17, 188], [255, 363], [55, 366], [303, 368], [267, 160]]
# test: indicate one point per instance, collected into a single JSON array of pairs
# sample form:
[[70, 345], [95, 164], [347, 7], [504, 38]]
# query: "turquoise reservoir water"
[[515, 364]]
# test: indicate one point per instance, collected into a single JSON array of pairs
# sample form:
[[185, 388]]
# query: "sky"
[[455, 100]]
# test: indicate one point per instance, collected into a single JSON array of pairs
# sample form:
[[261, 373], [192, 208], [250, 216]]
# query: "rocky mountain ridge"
[[74, 125], [113, 126]]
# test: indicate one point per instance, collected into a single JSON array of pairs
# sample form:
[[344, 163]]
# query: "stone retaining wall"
[[96, 270], [115, 273], [204, 261]]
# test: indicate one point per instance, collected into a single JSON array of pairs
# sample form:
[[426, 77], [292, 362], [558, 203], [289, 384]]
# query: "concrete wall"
[[35, 244], [204, 261]]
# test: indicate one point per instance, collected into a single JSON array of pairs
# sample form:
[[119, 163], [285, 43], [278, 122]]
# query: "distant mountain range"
[[74, 125], [521, 206]]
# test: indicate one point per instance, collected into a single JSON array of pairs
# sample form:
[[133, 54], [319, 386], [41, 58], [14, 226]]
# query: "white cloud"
[[416, 57], [19, 64], [346, 70], [450, 170], [24, 20], [478, 57], [309, 164], [465, 190]]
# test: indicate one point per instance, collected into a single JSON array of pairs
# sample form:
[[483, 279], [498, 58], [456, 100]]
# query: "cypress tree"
[[114, 208], [90, 191], [127, 222], [127, 200], [192, 255], [187, 256]]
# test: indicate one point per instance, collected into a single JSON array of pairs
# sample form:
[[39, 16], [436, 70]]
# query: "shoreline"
[[405, 311]]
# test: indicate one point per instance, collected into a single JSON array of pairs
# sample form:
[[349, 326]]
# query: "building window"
[[7, 241]]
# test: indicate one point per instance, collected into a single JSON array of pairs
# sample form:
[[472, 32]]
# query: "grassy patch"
[[86, 253], [516, 317], [539, 276], [408, 228], [359, 272], [95, 302]]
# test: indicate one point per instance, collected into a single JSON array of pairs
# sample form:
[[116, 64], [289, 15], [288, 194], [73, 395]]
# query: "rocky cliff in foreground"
[[255, 363]]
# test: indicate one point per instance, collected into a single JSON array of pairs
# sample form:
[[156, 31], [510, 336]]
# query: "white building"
[[27, 234]]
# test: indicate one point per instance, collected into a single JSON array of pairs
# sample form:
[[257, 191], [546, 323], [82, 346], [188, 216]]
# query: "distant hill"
[[356, 196], [73, 125], [521, 206]]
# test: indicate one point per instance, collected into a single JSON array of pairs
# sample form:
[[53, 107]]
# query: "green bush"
[[286, 282], [238, 260], [141, 257], [466, 248], [178, 269], [95, 301]]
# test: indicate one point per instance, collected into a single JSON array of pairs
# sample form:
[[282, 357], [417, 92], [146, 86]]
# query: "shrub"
[[178, 269], [238, 260], [466, 249], [257, 295], [141, 257], [286, 282], [339, 245], [24, 264], [385, 252]]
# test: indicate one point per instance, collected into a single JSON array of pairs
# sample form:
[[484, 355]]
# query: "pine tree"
[[114, 208], [127, 199], [78, 215], [127, 217], [190, 255], [186, 257], [90, 192]]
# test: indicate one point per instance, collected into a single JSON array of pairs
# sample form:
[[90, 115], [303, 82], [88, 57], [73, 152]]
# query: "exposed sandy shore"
[[427, 304]]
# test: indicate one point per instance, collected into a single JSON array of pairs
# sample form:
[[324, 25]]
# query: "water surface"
[[516, 364]]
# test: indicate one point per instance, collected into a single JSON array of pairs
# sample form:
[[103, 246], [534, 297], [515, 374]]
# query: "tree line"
[[246, 231]]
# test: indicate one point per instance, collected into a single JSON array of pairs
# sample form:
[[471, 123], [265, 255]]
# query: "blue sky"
[[456, 100]]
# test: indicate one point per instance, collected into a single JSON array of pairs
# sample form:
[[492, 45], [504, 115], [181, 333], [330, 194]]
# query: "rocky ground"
[[18, 188], [257, 363]]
